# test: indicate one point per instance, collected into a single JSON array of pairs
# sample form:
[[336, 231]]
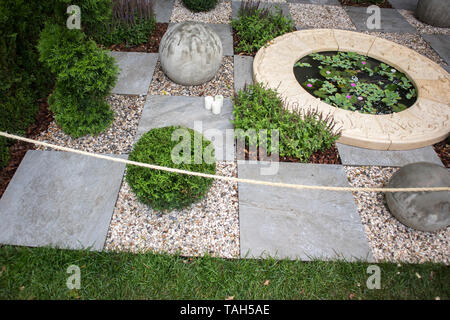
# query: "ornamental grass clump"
[[163, 190], [85, 75], [300, 135], [256, 26]]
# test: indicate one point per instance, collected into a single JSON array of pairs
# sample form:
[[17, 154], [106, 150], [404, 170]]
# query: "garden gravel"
[[210, 226], [222, 83], [220, 14], [117, 139], [389, 239], [421, 26], [412, 41], [320, 16]]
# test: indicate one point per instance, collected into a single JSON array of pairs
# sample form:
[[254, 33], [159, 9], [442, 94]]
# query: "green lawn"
[[40, 273]]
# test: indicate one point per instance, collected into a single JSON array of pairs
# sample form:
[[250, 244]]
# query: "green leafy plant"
[[85, 76], [255, 26], [259, 108], [354, 82], [200, 5], [165, 190]]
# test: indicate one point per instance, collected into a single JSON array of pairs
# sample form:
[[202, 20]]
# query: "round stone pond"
[[423, 123]]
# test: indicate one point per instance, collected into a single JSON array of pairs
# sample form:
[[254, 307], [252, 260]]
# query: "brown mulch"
[[18, 150], [443, 151], [151, 46], [353, 3], [329, 156]]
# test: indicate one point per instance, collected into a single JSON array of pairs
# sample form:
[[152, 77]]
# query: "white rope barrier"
[[213, 176]]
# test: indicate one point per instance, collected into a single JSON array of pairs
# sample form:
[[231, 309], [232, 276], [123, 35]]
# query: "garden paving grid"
[[242, 74]]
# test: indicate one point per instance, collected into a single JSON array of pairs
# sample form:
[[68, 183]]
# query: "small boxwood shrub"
[[165, 190], [255, 27], [85, 76], [200, 5], [300, 136]]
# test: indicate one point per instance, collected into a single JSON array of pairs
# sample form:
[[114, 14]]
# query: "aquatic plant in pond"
[[355, 82]]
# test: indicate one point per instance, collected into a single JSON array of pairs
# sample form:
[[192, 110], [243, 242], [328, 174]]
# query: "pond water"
[[355, 82]]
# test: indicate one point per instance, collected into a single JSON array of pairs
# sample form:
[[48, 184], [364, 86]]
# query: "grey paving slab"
[[136, 72], [410, 5], [163, 9], [320, 2], [163, 111], [235, 5], [391, 20], [440, 43], [354, 156], [61, 200], [243, 72], [299, 224]]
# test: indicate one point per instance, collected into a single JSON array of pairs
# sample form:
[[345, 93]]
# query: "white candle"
[[208, 102], [217, 104]]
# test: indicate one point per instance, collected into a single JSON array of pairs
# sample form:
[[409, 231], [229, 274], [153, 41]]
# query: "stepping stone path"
[[305, 224], [60, 199], [67, 200]]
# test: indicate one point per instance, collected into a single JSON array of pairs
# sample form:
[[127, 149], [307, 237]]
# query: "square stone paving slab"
[[61, 200], [163, 111], [391, 20], [299, 224], [354, 156], [410, 5], [243, 71], [235, 5], [163, 9], [136, 72], [440, 43]]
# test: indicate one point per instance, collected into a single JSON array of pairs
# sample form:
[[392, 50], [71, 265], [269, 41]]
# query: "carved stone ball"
[[190, 53], [424, 211]]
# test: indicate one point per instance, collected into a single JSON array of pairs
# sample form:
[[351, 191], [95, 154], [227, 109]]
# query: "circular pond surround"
[[426, 122]]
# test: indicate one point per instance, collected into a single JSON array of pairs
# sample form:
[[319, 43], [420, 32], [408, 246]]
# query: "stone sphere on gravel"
[[424, 211], [190, 53]]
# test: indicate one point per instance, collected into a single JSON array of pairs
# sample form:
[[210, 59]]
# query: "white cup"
[[208, 102], [217, 104]]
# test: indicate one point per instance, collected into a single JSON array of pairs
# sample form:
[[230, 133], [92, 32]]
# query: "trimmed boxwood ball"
[[163, 190], [200, 5]]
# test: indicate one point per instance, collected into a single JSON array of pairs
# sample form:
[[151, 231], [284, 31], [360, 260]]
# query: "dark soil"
[[329, 156], [353, 3], [17, 151], [151, 46], [443, 151]]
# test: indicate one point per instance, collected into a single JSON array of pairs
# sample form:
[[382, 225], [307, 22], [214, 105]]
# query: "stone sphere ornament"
[[190, 53], [424, 211]]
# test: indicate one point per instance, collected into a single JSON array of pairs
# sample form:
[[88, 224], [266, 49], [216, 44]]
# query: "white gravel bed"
[[220, 14], [118, 138], [412, 41], [222, 83], [389, 239], [209, 226], [320, 16], [421, 26]]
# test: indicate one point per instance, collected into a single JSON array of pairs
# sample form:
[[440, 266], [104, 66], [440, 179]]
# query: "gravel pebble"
[[117, 139], [412, 41], [222, 83], [220, 14], [389, 239], [421, 26], [320, 16], [209, 226]]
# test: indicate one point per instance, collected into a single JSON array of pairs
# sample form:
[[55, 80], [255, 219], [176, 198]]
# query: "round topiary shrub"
[[200, 5], [174, 147]]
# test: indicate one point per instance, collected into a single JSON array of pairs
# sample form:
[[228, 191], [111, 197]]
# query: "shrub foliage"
[[200, 5], [255, 26], [300, 136], [164, 190]]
